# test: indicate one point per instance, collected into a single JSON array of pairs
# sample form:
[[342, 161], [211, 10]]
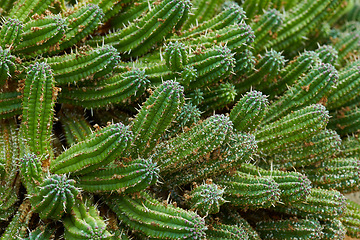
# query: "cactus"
[[137, 39], [126, 177], [40, 36], [7, 65], [248, 191], [140, 138], [37, 116], [155, 116], [100, 148], [206, 198], [292, 128], [340, 174], [289, 229], [55, 196], [249, 111], [295, 187], [113, 90], [85, 223], [161, 221], [320, 203]]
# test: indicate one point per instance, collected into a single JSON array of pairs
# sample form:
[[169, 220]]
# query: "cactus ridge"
[[115, 89], [152, 218], [134, 176], [54, 196], [327, 54], [10, 104], [136, 39], [10, 33], [41, 35], [7, 65], [100, 148], [76, 67]]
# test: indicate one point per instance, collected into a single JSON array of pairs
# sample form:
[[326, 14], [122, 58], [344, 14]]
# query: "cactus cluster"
[[179, 119]]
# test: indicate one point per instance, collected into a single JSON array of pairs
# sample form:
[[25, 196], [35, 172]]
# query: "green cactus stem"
[[327, 54], [17, 226], [300, 65], [219, 231], [265, 28], [125, 177], [346, 43], [206, 198], [155, 116], [234, 151], [99, 148], [346, 120], [231, 14], [10, 33], [287, 229], [244, 62], [333, 229], [7, 65], [321, 203], [292, 128], [187, 117], [294, 186], [10, 104], [55, 196], [351, 219], [76, 127], [340, 174], [202, 11], [267, 68], [40, 36], [85, 223], [25, 9], [248, 191], [92, 64], [190, 146], [156, 220], [31, 172], [319, 147], [81, 22], [41, 233], [217, 97], [347, 88], [175, 56], [311, 89], [37, 116], [249, 111], [117, 89], [138, 38], [350, 147], [304, 17]]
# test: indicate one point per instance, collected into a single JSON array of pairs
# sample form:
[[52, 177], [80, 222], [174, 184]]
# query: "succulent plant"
[[179, 119]]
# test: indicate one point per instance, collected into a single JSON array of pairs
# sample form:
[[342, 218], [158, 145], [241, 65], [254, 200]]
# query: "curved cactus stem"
[[293, 128], [327, 54], [351, 219], [333, 229], [155, 116], [154, 219], [10, 33], [24, 9], [31, 172], [10, 104], [37, 117], [345, 121], [7, 65], [249, 111], [248, 191], [286, 229], [85, 223], [350, 147], [340, 174], [98, 149], [130, 177], [138, 38], [189, 147]]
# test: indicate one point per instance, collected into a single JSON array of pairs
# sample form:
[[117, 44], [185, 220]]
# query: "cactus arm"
[[10, 104], [24, 9], [155, 116], [327, 54], [37, 117], [345, 120], [129, 177], [100, 148], [10, 33], [156, 220]]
